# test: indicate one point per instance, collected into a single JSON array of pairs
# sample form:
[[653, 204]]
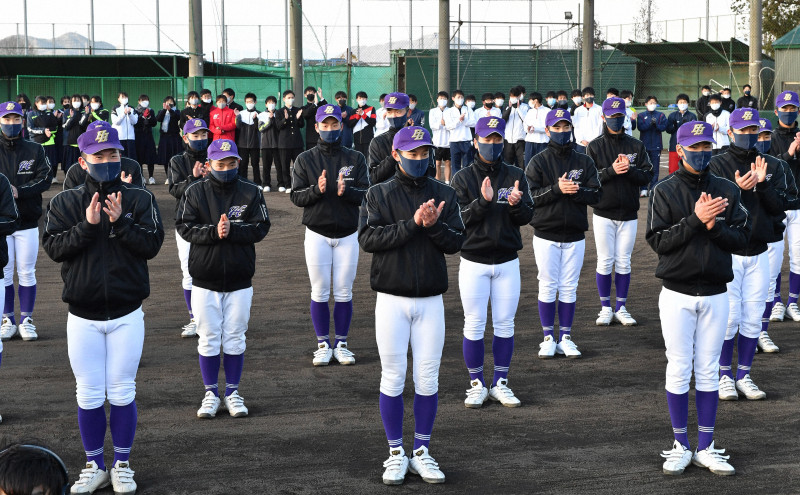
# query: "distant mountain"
[[66, 44]]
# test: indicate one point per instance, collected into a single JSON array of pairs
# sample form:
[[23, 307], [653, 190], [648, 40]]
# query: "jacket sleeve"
[[230, 125], [435, 124], [589, 191], [305, 189], [664, 236], [605, 172], [355, 193], [792, 199], [40, 182], [187, 222], [352, 118], [73, 120], [473, 211], [661, 122], [772, 193], [375, 234], [31, 123], [672, 123], [116, 116], [522, 212], [63, 239], [541, 193], [641, 172], [369, 117], [8, 208], [255, 227], [143, 234], [309, 111], [732, 235], [177, 181], [644, 124], [162, 113], [448, 231], [238, 121]]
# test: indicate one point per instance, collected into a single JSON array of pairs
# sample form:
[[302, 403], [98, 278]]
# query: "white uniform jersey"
[[588, 123], [459, 129], [482, 112], [535, 125], [515, 128], [720, 134], [381, 124], [441, 136]]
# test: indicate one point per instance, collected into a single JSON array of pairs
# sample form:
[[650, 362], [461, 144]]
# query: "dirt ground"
[[594, 425]]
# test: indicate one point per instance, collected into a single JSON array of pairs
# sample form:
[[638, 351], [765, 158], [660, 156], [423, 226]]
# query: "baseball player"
[[409, 223], [222, 216], [765, 203], [25, 165], [695, 220], [330, 214], [623, 167], [785, 145], [562, 182], [382, 166], [131, 170], [495, 202], [8, 223], [103, 232], [184, 169]]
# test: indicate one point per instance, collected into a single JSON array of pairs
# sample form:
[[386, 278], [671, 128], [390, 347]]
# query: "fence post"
[[123, 38], [259, 42], [54, 38], [390, 37]]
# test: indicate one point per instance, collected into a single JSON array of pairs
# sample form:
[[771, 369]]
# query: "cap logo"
[[697, 130], [762, 123], [615, 104], [392, 99], [492, 123], [418, 135], [329, 109], [102, 136], [10, 106], [787, 96], [197, 123], [748, 115], [225, 147], [559, 113]]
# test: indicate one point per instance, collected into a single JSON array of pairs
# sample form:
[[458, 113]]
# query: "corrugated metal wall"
[[787, 69]]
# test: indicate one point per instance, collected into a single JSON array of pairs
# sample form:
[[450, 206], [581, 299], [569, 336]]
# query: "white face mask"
[[471, 104], [651, 107], [289, 102], [229, 98], [42, 107], [706, 93], [193, 101], [459, 101], [683, 106], [95, 106], [628, 103], [250, 106], [441, 103], [76, 104], [714, 106], [531, 103], [144, 103], [512, 101], [499, 102], [577, 100], [51, 106], [412, 106], [270, 106], [361, 102], [123, 101], [522, 97], [206, 100], [725, 95]]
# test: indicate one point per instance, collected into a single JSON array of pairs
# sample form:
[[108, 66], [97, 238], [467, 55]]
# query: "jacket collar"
[[561, 150], [410, 182], [695, 180], [487, 168], [10, 144], [330, 149], [92, 186], [742, 154]]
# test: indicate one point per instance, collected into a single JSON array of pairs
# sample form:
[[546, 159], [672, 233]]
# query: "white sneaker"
[[604, 317], [122, 479], [27, 330], [793, 312], [778, 310], [476, 395], [7, 329], [749, 389], [235, 405], [676, 459], [502, 394], [766, 344], [323, 354], [281, 189], [343, 354], [622, 316], [166, 182], [54, 181], [568, 348], [288, 190], [643, 194], [396, 467], [190, 329], [727, 388], [547, 349], [91, 479], [423, 464], [713, 459], [267, 189], [152, 180], [209, 406]]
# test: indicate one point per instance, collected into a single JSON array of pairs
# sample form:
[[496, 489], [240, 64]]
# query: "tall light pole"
[[755, 48], [196, 43]]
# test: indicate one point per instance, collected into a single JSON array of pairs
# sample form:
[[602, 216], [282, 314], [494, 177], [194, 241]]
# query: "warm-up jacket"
[[247, 124], [25, 165], [674, 122], [76, 175], [9, 215], [181, 173]]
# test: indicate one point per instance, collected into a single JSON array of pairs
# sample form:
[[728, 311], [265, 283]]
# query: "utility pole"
[[755, 48], [588, 43], [25, 9], [91, 30], [707, 15], [444, 45], [296, 46], [158, 27], [195, 43], [649, 21], [410, 24], [350, 50], [224, 55]]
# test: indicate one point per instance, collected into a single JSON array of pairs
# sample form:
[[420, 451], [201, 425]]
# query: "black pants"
[[268, 155], [249, 155], [514, 153], [287, 156]]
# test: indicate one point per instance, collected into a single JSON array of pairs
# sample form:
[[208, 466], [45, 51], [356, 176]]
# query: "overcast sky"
[[374, 16]]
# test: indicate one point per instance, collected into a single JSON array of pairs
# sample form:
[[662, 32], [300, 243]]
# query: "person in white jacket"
[[123, 118], [488, 109], [588, 121], [514, 115], [458, 120], [441, 137], [381, 124], [720, 120], [535, 136]]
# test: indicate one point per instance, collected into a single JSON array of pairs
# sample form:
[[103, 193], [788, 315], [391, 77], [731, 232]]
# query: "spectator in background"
[[86, 100], [514, 115], [145, 144], [499, 101], [248, 142], [61, 141], [206, 104], [42, 128], [416, 116], [363, 132], [458, 119], [651, 124], [269, 142], [123, 118], [674, 122], [630, 113], [381, 124], [577, 101], [314, 100], [727, 102], [488, 109], [611, 92], [535, 128], [193, 109], [169, 142], [702, 102], [74, 125], [290, 142], [223, 119], [470, 102], [441, 136], [561, 100], [96, 110], [31, 470], [747, 100], [25, 103], [588, 121], [230, 96], [719, 118], [349, 119]]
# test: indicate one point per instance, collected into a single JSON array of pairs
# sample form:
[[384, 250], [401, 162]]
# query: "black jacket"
[[38, 121], [104, 266], [728, 104], [747, 101], [781, 139], [493, 235], [288, 125], [693, 260], [329, 214], [173, 127], [702, 107], [561, 217], [620, 199], [783, 180], [222, 265], [310, 117], [674, 122], [205, 110], [269, 133], [25, 165], [76, 175], [764, 203], [181, 173], [74, 125], [382, 165], [145, 124], [9, 215], [248, 135], [408, 259], [190, 113]]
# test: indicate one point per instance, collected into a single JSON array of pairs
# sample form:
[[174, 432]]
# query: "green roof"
[[788, 40], [699, 52]]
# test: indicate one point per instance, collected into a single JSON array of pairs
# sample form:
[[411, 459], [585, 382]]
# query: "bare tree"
[[644, 28]]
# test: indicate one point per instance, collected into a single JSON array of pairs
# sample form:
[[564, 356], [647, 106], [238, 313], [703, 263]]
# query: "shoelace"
[[394, 461]]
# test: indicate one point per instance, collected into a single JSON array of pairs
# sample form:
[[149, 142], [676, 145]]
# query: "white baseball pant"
[[747, 293], [478, 283], [222, 319], [559, 265], [694, 329], [614, 240], [792, 235], [322, 255], [775, 254], [183, 254], [23, 248], [398, 321], [104, 356]]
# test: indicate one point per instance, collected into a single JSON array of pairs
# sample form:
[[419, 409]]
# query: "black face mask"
[[342, 101], [488, 106], [310, 97]]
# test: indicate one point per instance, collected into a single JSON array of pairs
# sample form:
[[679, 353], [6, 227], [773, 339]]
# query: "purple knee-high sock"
[[425, 407], [92, 423], [503, 349], [123, 429], [706, 417], [187, 296], [27, 298], [8, 309], [473, 357], [678, 405], [209, 369], [547, 316], [321, 318], [746, 350], [778, 289], [604, 289], [342, 315], [726, 358], [766, 315], [622, 281], [392, 417], [233, 365], [794, 287], [566, 313]]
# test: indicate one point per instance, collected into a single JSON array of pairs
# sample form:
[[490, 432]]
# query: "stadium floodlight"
[[568, 16]]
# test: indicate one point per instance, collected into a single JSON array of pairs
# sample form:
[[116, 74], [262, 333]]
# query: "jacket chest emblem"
[[236, 211], [575, 174], [25, 167], [502, 194], [345, 171]]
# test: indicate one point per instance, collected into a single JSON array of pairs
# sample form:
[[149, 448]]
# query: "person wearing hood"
[[330, 214], [495, 203], [719, 118], [145, 144]]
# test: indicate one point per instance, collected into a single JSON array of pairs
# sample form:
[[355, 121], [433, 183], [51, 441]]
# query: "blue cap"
[[613, 106], [98, 139], [744, 117], [489, 125], [329, 110], [556, 115], [411, 138], [695, 132], [398, 101], [194, 125], [787, 98], [10, 107], [222, 148], [764, 125]]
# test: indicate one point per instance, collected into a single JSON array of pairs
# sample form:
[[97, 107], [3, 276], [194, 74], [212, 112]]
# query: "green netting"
[[106, 87]]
